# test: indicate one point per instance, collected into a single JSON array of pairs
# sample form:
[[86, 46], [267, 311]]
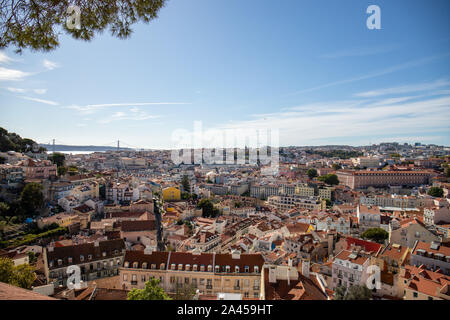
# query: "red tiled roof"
[[367, 245]]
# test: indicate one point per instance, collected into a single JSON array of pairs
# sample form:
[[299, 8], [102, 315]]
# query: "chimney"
[[305, 267], [148, 250], [290, 262], [197, 251], [236, 254]]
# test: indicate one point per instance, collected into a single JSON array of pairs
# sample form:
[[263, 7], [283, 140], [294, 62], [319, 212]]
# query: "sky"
[[310, 69]]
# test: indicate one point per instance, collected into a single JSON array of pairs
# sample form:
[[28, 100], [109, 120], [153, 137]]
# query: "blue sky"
[[312, 69]]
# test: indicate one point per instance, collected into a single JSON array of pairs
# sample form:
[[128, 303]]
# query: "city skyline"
[[315, 73]]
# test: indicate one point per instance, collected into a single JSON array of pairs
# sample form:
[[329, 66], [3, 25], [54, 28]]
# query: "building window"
[[125, 277], [415, 295]]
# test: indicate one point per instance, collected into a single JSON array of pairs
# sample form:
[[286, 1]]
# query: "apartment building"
[[439, 213], [434, 256], [368, 217], [366, 162], [408, 231], [264, 191], [239, 189], [38, 169], [210, 273], [418, 283], [349, 268], [392, 257], [287, 202], [205, 241], [395, 201], [97, 259], [11, 177], [121, 192], [363, 179], [305, 190]]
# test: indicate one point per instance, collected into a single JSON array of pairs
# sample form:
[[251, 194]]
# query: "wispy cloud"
[[4, 58], [91, 108], [50, 65], [402, 116], [131, 115], [49, 102], [40, 91], [16, 90], [427, 86], [406, 65], [7, 74], [360, 52]]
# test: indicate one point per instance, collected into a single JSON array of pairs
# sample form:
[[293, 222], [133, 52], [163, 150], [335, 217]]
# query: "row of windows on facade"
[[193, 281], [431, 255], [82, 258], [226, 269], [99, 265]]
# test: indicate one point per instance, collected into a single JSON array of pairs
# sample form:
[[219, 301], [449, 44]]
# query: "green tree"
[[184, 292], [375, 234], [73, 170], [58, 158], [152, 291], [185, 196], [185, 183], [31, 198], [330, 179], [36, 25], [32, 257], [62, 171], [312, 173], [436, 192], [21, 276], [6, 270], [447, 170], [24, 276], [4, 209], [336, 166], [339, 293], [208, 208], [355, 292]]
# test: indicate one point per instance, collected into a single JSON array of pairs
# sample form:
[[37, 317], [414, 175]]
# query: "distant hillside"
[[10, 141], [65, 148]]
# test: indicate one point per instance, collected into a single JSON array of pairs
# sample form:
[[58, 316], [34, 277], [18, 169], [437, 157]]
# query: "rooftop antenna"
[[118, 145]]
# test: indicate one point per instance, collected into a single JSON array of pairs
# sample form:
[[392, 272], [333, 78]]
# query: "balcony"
[[209, 286], [134, 283], [237, 287], [255, 287]]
